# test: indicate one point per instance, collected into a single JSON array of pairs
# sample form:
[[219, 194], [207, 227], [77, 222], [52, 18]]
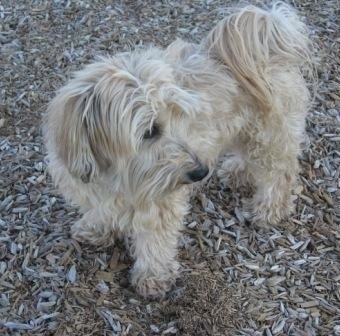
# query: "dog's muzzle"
[[198, 174]]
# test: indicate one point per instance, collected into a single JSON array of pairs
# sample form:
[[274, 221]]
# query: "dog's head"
[[128, 120]]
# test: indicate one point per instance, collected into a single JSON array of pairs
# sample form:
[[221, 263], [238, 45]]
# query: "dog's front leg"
[[154, 242]]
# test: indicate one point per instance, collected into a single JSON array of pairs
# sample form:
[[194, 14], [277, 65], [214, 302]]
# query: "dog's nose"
[[198, 174]]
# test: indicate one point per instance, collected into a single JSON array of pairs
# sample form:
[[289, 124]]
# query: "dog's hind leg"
[[274, 176]]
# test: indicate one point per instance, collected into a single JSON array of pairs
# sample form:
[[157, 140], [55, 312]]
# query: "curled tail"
[[252, 41]]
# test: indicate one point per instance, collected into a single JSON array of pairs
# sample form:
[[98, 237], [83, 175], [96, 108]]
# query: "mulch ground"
[[236, 280]]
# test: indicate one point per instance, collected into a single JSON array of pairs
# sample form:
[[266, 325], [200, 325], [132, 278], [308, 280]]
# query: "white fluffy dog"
[[129, 135]]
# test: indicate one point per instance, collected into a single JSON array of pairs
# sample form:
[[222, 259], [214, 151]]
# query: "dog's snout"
[[198, 174]]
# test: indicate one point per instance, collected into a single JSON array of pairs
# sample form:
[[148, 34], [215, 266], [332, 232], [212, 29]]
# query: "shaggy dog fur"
[[129, 134]]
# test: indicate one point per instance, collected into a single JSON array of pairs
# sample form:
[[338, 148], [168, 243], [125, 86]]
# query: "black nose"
[[198, 174]]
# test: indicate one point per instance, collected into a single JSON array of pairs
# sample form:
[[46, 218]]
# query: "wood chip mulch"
[[236, 280]]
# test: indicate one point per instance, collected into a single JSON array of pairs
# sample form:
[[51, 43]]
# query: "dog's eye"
[[153, 132]]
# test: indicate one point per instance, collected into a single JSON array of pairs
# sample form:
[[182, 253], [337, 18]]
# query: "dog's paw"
[[153, 288], [232, 170], [91, 233], [263, 215]]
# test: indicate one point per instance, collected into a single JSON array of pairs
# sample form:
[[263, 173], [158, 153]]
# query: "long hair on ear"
[[77, 122], [251, 41]]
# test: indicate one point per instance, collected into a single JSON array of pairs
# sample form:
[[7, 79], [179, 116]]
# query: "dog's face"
[[127, 121]]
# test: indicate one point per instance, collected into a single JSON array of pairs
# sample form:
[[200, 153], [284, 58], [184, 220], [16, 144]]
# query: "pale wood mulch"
[[236, 280]]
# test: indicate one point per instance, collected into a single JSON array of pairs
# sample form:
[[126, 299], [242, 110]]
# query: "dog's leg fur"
[[271, 201], [233, 170], [154, 241], [94, 229]]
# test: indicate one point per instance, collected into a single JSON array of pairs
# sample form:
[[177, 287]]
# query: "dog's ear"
[[79, 133]]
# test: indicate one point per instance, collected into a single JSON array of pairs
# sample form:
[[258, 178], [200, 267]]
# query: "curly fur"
[[239, 92]]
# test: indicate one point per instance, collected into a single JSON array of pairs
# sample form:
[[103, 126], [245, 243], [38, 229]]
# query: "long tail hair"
[[252, 40]]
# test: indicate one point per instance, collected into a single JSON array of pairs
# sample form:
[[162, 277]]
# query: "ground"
[[236, 280]]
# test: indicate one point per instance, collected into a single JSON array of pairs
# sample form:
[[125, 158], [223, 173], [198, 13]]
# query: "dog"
[[130, 135]]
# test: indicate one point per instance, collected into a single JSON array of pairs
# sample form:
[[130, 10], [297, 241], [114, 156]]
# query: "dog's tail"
[[252, 41]]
